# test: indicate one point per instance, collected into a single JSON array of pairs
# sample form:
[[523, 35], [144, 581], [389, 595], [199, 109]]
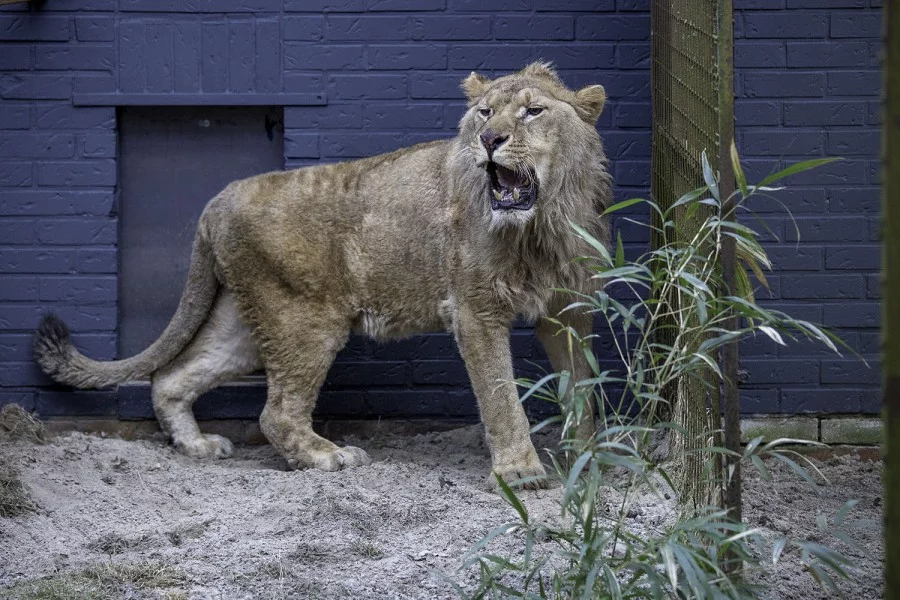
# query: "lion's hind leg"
[[300, 341], [222, 350]]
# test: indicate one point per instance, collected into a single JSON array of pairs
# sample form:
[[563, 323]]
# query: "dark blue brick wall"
[[807, 84]]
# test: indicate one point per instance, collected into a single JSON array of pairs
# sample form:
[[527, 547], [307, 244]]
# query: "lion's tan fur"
[[388, 246]]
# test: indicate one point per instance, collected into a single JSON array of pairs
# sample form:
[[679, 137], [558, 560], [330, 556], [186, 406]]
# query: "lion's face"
[[521, 131]]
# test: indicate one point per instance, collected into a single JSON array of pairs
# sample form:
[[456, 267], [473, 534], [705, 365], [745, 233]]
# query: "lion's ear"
[[589, 102], [475, 86]]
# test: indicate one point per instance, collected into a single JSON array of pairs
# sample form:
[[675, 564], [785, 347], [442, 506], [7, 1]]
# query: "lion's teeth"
[[516, 194], [498, 195]]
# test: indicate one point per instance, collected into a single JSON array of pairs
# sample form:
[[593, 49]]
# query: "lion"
[[461, 235]]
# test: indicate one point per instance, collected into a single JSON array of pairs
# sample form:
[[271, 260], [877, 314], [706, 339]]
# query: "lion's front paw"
[[340, 458], [513, 473], [207, 445]]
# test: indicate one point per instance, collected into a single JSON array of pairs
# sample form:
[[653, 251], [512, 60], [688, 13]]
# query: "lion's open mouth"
[[511, 190]]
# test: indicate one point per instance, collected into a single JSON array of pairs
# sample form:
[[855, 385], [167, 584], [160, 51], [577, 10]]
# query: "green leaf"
[[510, 496], [738, 171], [620, 250], [709, 177], [795, 168], [624, 204]]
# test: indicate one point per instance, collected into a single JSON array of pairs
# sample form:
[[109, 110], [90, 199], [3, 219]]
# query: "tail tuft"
[[53, 345]]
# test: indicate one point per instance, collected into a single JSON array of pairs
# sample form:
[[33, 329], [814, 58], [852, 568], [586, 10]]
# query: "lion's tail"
[[56, 355]]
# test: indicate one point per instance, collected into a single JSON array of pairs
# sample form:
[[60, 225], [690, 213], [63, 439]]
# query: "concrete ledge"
[[772, 428], [852, 430], [857, 431]]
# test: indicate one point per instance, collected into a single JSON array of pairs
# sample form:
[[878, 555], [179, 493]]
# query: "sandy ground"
[[247, 528]]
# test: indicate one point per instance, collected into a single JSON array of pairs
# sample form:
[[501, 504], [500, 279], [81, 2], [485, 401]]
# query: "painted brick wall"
[[385, 73]]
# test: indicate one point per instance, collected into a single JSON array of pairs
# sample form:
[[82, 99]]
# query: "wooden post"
[[891, 296]]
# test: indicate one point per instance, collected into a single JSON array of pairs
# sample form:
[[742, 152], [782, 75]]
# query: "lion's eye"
[[534, 111], [485, 112]]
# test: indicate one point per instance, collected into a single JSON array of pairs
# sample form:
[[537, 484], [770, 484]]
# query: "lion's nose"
[[491, 140]]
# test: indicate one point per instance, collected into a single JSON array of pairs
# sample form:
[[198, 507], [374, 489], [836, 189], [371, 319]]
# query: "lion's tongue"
[[509, 178]]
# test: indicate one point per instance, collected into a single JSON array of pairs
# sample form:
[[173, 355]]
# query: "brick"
[[854, 83], [405, 5], [456, 28], [26, 317], [852, 431], [580, 56], [778, 142], [367, 28], [15, 57], [537, 27], [627, 85], [757, 113], [328, 57], [827, 54], [826, 3], [24, 398], [427, 85], [367, 373], [46, 202], [779, 25], [79, 290], [34, 27], [407, 56], [15, 117], [241, 67], [838, 173], [352, 145], [847, 371], [20, 374], [355, 87], [856, 258], [97, 260], [37, 145], [19, 346], [489, 56], [630, 56], [66, 116], [828, 229], [791, 257], [795, 428], [201, 6], [759, 401], [331, 116], [823, 286], [403, 116], [96, 145], [401, 403], [770, 371], [633, 5], [80, 173], [32, 260], [84, 5], [95, 83], [873, 286], [76, 403], [268, 53], [854, 142], [870, 343], [488, 5], [35, 86], [870, 401], [755, 54], [575, 5], [15, 174], [306, 83], [95, 29], [873, 113], [861, 314], [627, 144], [14, 288], [854, 200], [305, 28], [824, 113], [81, 57], [18, 232], [81, 231], [757, 4], [632, 114], [301, 145], [774, 84], [820, 400], [440, 372], [318, 6], [613, 27], [856, 24]]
